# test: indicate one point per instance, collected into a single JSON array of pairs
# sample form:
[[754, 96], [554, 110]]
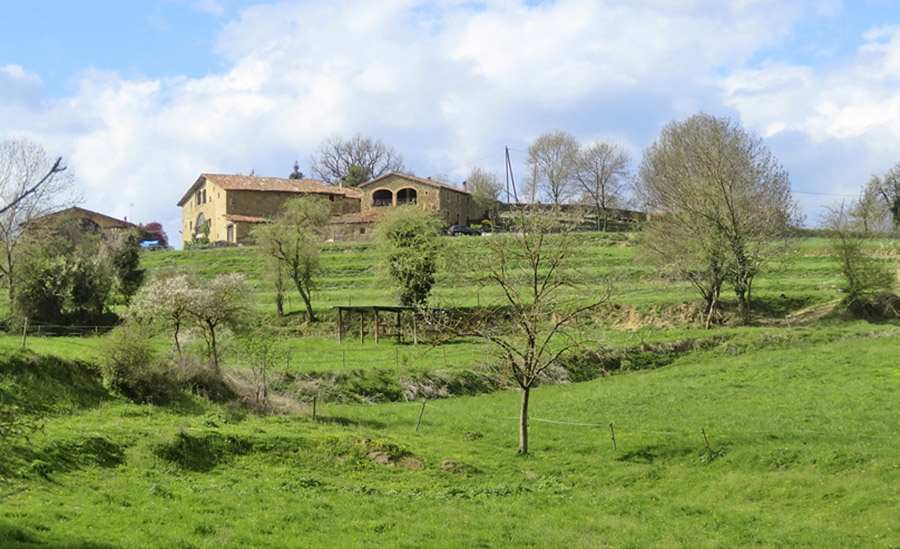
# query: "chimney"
[[465, 185]]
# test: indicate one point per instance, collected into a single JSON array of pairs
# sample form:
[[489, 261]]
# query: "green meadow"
[[783, 433]]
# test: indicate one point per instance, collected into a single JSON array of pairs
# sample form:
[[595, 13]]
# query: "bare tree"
[[723, 191], [602, 169], [354, 161], [292, 243], [888, 187], [532, 323], [553, 163], [31, 185], [871, 211], [485, 187]]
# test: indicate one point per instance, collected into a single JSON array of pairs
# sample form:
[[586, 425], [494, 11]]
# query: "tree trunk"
[[306, 300], [212, 348], [279, 303], [523, 422], [177, 343]]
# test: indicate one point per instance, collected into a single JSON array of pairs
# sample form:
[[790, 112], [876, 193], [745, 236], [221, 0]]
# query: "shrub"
[[129, 365]]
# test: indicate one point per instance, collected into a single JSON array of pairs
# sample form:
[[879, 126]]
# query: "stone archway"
[[407, 196], [382, 198]]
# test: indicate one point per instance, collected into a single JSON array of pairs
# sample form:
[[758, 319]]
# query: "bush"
[[129, 365], [198, 375]]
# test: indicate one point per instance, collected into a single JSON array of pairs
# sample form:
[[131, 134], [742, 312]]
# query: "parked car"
[[457, 230]]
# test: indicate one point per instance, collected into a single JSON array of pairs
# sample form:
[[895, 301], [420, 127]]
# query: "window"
[[362, 230], [201, 220], [230, 237]]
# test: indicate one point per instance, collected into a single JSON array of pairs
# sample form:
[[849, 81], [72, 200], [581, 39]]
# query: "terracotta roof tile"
[[419, 179], [246, 218], [269, 184]]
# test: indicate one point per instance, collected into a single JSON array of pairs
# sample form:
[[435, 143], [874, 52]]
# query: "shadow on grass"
[[345, 422], [655, 452], [16, 537]]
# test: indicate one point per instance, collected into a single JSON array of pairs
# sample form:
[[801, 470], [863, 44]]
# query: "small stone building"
[[396, 189], [233, 204], [90, 221]]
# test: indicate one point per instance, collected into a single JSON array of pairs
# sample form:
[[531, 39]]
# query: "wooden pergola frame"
[[364, 310]]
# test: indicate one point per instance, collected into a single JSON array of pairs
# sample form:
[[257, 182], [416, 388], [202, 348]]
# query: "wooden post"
[[362, 326], [422, 411], [415, 330], [612, 435], [314, 408], [25, 331], [706, 440], [397, 356], [340, 325], [377, 327], [399, 332]]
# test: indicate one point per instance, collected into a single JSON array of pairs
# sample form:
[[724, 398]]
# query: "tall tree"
[[126, 262], [485, 187], [354, 161], [533, 323], [296, 174], [602, 169], [292, 241], [31, 185], [409, 238], [720, 189], [888, 186], [553, 164]]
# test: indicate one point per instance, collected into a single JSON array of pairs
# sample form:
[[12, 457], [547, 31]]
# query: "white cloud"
[[828, 112], [447, 83]]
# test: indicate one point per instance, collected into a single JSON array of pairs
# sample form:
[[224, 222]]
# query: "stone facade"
[[395, 189], [233, 204]]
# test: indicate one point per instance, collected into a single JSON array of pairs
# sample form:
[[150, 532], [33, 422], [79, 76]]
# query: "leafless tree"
[[723, 192], [602, 169], [354, 161], [553, 164], [31, 185], [888, 187], [533, 323], [485, 187], [872, 210]]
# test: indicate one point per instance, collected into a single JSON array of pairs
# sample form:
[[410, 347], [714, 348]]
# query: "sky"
[[141, 97]]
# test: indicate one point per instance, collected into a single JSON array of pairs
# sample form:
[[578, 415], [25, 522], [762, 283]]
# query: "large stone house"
[[232, 204], [395, 189]]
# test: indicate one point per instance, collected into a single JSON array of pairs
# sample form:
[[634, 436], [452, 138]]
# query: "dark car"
[[457, 230]]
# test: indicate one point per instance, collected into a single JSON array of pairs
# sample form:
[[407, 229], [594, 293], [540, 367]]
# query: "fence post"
[[314, 408], [612, 435], [422, 411], [25, 331]]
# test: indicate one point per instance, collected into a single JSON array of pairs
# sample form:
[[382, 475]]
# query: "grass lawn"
[[803, 452]]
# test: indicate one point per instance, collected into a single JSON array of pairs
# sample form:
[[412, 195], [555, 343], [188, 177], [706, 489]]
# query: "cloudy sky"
[[141, 97]]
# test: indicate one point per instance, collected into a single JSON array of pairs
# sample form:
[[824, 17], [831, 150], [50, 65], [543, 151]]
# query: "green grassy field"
[[800, 414]]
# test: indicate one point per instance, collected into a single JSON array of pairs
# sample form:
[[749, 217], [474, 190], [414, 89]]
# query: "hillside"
[[798, 413]]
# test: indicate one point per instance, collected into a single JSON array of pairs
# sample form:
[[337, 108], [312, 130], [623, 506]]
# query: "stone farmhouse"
[[232, 204]]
